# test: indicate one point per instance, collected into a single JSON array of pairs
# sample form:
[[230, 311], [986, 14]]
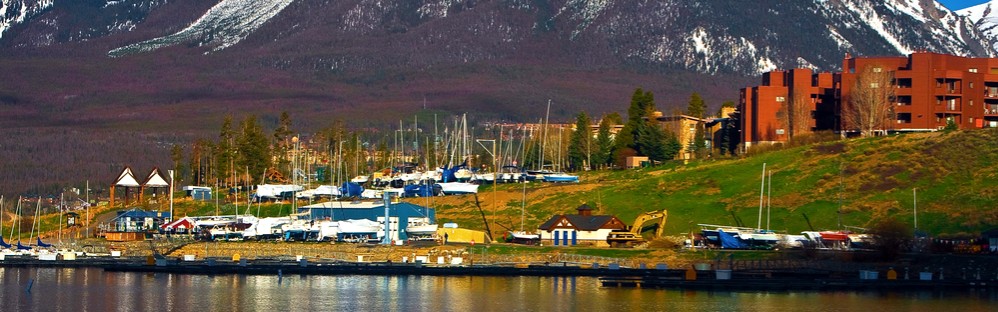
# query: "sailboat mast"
[[38, 208], [769, 197], [544, 133], [17, 214], [1, 217], [62, 202], [762, 188]]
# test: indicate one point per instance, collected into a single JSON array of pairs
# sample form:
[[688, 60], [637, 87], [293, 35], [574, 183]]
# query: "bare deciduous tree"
[[800, 114], [868, 108]]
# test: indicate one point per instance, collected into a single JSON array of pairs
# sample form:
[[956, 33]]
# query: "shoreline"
[[611, 276]]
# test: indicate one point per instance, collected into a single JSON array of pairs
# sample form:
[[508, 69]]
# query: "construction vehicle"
[[632, 236]]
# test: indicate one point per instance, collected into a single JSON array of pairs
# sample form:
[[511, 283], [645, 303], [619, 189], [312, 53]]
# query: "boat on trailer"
[[561, 177]]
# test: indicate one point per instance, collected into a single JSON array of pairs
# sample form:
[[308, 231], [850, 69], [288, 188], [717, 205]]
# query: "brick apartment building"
[[931, 89]]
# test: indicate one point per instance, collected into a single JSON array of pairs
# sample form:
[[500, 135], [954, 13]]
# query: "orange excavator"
[[632, 236]]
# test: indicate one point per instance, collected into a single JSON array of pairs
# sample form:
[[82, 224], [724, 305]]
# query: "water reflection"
[[86, 289]]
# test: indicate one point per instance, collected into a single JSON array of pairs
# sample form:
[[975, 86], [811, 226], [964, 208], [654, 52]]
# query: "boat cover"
[[729, 241], [42, 244], [351, 189]]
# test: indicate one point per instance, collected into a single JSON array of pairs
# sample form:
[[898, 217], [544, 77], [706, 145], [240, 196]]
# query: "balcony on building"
[[991, 90], [948, 104], [991, 110], [949, 87]]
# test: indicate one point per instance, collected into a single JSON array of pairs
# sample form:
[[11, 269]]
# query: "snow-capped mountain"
[[985, 18], [710, 36], [222, 26]]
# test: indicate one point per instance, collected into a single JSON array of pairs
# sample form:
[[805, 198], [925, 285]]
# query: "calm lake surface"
[[91, 289]]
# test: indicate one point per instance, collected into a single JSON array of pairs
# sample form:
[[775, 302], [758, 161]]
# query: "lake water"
[[91, 289]]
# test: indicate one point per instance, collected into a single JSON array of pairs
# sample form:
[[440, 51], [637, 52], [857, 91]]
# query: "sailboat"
[[560, 176], [522, 237], [3, 244], [17, 224], [455, 177], [38, 209]]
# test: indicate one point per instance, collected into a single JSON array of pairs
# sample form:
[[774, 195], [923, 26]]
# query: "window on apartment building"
[[970, 102], [970, 120], [939, 83], [874, 85], [993, 70], [970, 85], [973, 70], [877, 69], [781, 99]]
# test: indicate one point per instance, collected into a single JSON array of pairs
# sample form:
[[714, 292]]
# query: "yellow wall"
[[461, 235]]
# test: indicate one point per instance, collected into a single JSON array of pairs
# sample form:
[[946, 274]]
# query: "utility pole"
[[171, 195], [88, 208], [914, 194]]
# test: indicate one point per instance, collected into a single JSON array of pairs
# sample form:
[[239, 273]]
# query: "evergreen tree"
[[604, 144], [614, 118], [650, 142], [282, 136], [638, 118], [641, 134], [254, 149], [672, 146], [696, 108], [728, 130], [225, 150], [580, 143]]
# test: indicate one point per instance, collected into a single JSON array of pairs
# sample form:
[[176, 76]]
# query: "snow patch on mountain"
[[13, 12], [224, 25]]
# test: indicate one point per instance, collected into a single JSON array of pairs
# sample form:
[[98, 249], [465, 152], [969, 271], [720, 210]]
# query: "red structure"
[[931, 90]]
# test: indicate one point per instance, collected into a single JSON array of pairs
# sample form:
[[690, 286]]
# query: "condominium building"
[[930, 90]]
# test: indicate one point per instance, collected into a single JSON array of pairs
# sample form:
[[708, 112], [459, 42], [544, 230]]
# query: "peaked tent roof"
[[126, 178], [155, 179]]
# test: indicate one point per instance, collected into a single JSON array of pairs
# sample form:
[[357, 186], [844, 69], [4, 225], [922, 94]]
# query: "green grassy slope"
[[955, 175]]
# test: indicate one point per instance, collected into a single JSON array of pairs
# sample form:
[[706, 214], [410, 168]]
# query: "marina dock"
[[609, 276]]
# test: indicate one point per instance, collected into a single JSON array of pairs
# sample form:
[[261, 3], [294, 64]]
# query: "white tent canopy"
[[156, 179], [126, 179]]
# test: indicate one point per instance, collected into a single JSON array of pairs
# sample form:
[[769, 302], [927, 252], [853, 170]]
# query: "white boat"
[[420, 227], [359, 226], [463, 174], [328, 230], [371, 193], [451, 188], [361, 179], [266, 228], [272, 191], [486, 177], [327, 191]]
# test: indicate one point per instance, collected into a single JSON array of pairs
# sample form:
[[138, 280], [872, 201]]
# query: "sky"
[[960, 4]]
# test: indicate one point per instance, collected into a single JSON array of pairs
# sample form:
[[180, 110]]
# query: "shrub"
[[890, 238]]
